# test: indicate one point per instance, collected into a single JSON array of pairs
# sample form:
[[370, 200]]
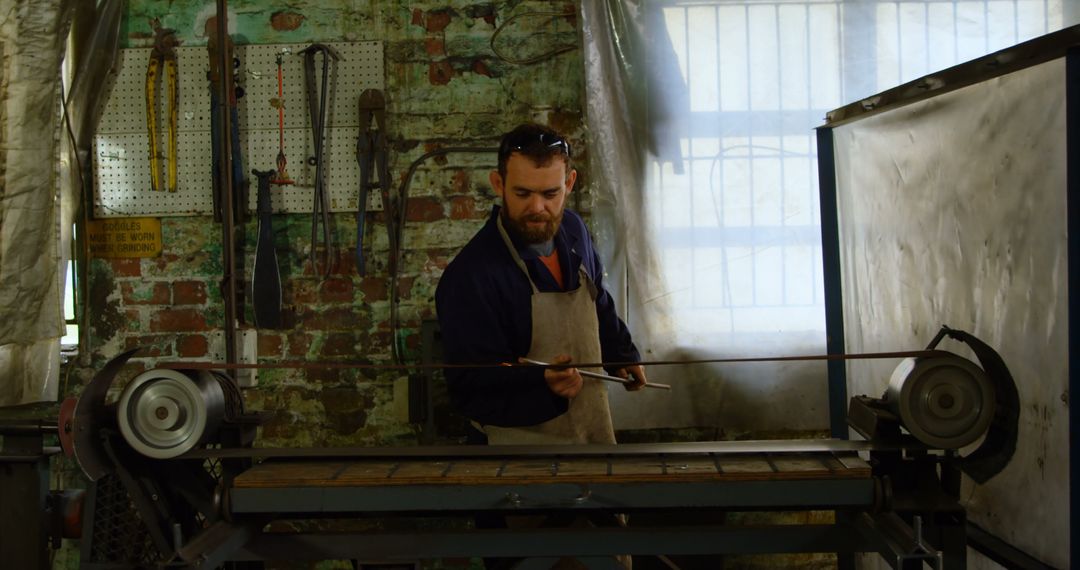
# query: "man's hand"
[[635, 373], [565, 382]]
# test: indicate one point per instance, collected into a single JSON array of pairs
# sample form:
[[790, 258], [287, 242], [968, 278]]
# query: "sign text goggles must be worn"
[[125, 237]]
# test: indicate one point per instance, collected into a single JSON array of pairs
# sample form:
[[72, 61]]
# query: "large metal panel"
[[952, 210]]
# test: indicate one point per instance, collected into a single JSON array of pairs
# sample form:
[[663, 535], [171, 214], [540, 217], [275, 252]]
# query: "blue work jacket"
[[484, 308]]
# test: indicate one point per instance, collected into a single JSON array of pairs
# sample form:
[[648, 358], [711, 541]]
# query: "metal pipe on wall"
[[228, 237]]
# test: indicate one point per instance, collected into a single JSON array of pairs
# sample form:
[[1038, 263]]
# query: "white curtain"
[[701, 118], [32, 37], [41, 189]]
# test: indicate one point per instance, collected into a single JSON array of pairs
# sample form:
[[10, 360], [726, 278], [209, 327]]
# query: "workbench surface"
[[518, 470]]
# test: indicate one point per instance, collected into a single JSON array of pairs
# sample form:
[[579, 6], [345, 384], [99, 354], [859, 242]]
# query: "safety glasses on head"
[[525, 141]]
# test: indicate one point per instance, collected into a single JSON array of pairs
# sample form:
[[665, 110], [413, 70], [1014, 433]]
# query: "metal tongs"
[[598, 376], [317, 96], [371, 151]]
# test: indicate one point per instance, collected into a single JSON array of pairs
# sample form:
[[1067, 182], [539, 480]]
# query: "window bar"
[[1015, 38], [839, 49], [899, 46], [955, 32], [721, 160], [690, 160], [750, 159], [783, 157], [719, 81], [811, 139], [926, 39]]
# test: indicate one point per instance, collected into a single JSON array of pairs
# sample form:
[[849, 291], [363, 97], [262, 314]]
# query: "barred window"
[[739, 229]]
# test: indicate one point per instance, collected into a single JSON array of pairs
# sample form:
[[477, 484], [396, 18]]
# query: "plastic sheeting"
[[32, 34], [719, 243], [636, 103], [952, 211]]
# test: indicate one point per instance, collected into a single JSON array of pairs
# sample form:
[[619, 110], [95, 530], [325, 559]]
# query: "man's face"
[[533, 196]]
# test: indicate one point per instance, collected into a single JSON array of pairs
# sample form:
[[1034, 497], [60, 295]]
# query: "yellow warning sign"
[[125, 237]]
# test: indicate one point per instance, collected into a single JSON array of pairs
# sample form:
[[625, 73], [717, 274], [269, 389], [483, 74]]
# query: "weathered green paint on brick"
[[326, 320], [106, 316]]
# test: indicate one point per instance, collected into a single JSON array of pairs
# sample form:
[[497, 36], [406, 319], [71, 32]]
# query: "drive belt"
[[418, 366]]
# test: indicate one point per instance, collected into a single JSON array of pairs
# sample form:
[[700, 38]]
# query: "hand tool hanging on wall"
[[282, 178], [317, 96], [265, 275], [239, 184], [162, 55], [371, 152]]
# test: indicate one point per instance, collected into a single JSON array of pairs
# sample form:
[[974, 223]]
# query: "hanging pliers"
[[163, 54], [371, 152]]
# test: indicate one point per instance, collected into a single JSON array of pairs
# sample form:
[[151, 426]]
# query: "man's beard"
[[532, 235]]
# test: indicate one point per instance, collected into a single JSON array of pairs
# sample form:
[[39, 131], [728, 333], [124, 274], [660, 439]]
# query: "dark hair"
[[541, 144]]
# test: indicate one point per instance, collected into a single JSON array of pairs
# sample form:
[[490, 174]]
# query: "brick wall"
[[444, 87]]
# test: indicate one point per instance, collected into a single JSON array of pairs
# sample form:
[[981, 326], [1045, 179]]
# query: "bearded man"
[[529, 284]]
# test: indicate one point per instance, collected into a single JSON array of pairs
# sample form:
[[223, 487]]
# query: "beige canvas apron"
[[563, 322]]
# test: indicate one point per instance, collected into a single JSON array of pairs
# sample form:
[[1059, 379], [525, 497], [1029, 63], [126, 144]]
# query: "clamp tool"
[[163, 54], [317, 107], [371, 151]]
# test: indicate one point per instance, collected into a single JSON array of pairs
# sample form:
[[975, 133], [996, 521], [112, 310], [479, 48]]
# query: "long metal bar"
[[228, 232], [718, 447], [1020, 56], [1002, 552], [448, 498], [1072, 144], [544, 542], [838, 356], [834, 298], [216, 543]]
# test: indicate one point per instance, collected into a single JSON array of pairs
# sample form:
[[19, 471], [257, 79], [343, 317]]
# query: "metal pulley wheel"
[[944, 401], [164, 413]]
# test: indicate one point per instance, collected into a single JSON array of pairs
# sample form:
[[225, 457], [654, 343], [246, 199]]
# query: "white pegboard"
[[121, 156]]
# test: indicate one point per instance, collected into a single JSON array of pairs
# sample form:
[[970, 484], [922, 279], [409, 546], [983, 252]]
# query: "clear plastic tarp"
[[42, 181], [701, 117], [32, 42]]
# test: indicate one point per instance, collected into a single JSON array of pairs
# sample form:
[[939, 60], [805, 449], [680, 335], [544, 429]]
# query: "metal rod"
[[419, 366], [228, 245], [601, 376], [1072, 193], [830, 261]]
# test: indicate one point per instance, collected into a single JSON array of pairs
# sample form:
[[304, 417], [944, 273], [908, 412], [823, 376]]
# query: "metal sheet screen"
[[952, 211]]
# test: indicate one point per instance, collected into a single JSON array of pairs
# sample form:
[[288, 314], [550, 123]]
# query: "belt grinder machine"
[[177, 483]]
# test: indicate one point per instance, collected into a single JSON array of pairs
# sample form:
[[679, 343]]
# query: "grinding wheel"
[[165, 413], [944, 401]]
